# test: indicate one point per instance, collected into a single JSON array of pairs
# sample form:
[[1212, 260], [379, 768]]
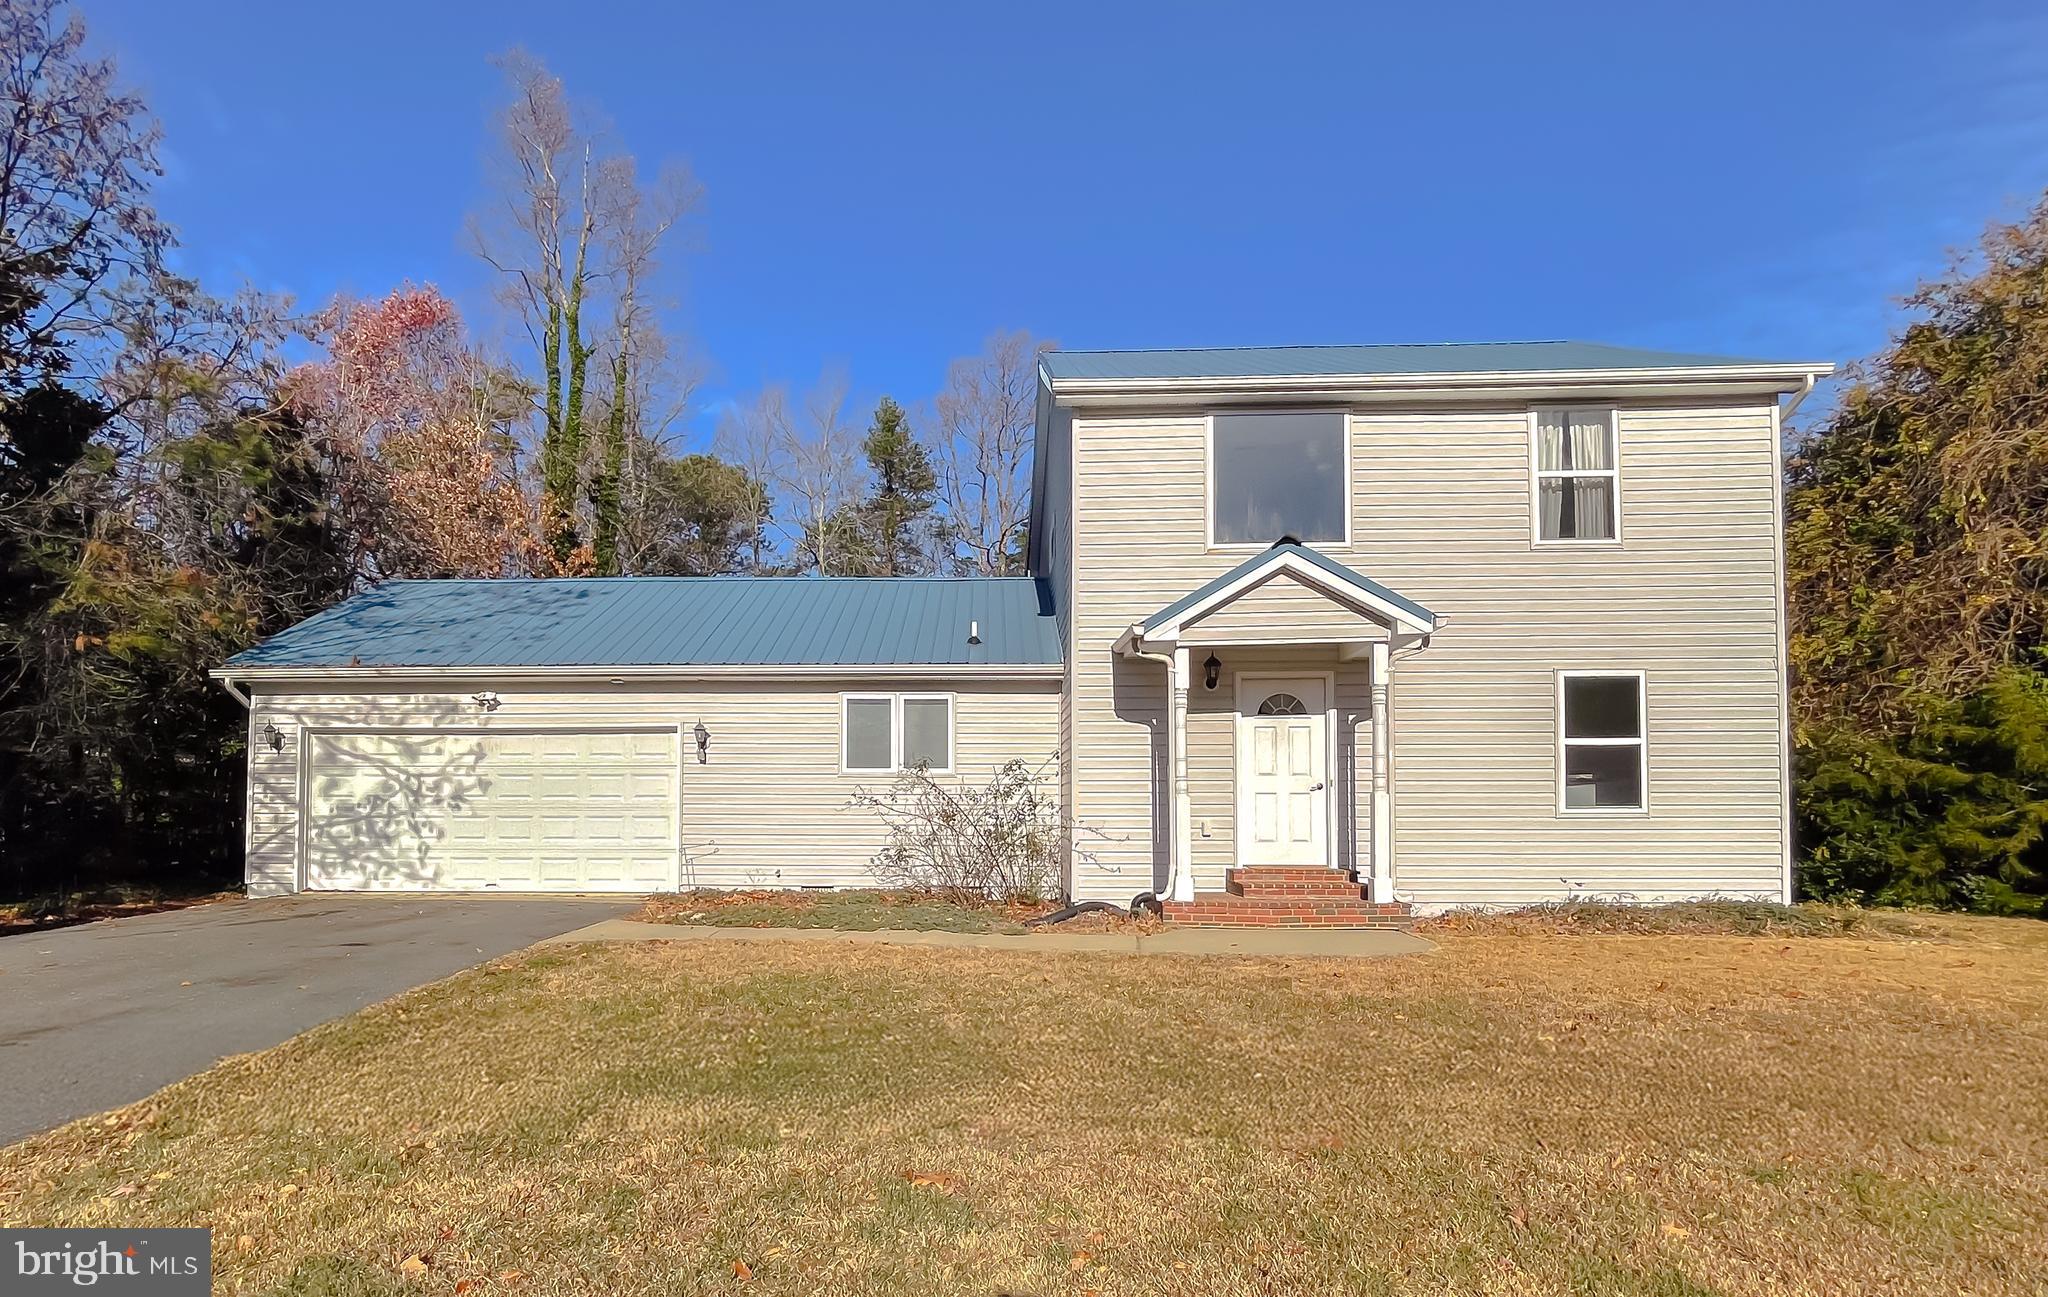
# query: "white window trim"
[[896, 701], [1641, 742], [1536, 476], [1209, 483]]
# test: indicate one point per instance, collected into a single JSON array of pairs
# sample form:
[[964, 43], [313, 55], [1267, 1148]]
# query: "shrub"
[[1000, 841]]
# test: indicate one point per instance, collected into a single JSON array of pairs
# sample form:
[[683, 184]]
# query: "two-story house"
[[1313, 634]]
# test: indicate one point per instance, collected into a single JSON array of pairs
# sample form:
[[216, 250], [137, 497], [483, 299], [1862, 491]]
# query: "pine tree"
[[897, 519]]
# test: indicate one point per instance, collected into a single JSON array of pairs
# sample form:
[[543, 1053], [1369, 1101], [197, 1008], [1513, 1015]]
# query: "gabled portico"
[[1307, 646]]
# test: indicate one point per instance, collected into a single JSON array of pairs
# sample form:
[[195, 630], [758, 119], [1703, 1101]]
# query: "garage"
[[584, 810]]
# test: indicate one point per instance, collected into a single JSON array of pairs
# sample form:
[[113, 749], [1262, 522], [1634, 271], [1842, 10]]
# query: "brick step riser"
[[1290, 873], [1350, 891]]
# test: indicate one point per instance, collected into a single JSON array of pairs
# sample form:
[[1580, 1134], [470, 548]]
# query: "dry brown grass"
[[1731, 918], [1510, 1114]]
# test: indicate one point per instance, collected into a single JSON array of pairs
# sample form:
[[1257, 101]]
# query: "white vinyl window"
[[1577, 475], [885, 733], [1603, 756]]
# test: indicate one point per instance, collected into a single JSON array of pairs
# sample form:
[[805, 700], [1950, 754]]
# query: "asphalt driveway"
[[102, 1014]]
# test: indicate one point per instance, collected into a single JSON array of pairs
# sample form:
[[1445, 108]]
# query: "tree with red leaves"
[[426, 423]]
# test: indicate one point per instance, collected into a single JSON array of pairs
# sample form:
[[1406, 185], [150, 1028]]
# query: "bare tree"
[[753, 437], [569, 226], [76, 157], [985, 417], [820, 473], [630, 239]]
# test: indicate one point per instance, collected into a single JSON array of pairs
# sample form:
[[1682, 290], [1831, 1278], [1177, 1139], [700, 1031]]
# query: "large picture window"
[[885, 733], [1603, 753], [1279, 474], [1576, 476]]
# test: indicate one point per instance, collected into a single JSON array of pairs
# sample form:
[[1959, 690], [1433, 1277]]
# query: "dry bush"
[[1004, 840]]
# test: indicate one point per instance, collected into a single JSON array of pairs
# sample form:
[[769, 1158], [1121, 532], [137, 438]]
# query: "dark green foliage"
[[1948, 812], [894, 530], [1917, 560], [699, 516]]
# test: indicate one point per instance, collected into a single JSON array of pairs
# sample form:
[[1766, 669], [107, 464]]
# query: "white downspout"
[[1805, 390], [1179, 879], [228, 683]]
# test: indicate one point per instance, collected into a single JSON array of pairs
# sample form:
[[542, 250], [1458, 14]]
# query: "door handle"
[[1316, 787]]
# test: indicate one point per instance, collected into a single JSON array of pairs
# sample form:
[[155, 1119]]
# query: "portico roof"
[[1315, 569]]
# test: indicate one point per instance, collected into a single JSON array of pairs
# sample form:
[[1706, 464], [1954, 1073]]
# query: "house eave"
[[1759, 380]]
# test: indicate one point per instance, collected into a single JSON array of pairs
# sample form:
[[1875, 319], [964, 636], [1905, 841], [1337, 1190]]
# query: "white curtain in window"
[[1590, 444], [1550, 441]]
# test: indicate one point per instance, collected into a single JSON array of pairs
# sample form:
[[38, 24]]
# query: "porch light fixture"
[[488, 700], [703, 737], [1212, 671], [273, 736]]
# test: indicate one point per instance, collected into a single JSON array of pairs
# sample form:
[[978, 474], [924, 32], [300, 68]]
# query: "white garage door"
[[518, 812]]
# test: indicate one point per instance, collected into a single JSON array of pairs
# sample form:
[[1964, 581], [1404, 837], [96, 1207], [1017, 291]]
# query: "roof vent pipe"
[[974, 632]]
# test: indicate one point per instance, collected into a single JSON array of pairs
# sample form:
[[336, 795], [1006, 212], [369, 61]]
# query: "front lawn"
[[1510, 1114]]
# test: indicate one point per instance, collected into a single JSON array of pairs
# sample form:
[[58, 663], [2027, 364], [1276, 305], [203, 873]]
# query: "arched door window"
[[1282, 705]]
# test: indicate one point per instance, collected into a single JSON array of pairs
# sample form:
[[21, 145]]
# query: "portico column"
[[1382, 791], [1181, 866]]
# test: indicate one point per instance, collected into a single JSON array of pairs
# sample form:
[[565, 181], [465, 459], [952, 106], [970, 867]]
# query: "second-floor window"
[[1275, 474], [1576, 477]]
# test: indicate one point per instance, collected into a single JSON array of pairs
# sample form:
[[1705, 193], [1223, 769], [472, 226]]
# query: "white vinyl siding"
[[1282, 608], [769, 808], [1442, 506]]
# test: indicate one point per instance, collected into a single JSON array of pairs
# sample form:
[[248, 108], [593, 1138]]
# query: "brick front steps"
[[1274, 897]]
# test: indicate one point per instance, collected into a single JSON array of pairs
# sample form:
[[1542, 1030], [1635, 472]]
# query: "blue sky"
[[886, 184]]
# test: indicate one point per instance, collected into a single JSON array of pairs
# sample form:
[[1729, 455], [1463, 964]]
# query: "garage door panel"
[[565, 810]]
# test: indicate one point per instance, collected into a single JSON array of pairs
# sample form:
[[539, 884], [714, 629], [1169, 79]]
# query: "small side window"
[[870, 742], [1577, 478], [884, 733], [1603, 750]]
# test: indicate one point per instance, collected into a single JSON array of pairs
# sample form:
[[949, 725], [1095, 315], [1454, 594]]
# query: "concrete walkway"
[[1336, 943]]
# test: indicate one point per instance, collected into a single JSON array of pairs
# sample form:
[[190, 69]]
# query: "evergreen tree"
[[896, 524]]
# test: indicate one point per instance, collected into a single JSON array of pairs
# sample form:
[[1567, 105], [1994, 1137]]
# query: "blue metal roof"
[[1343, 575], [1396, 358], [676, 621]]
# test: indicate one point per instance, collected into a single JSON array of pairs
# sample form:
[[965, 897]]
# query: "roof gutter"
[[227, 682], [1783, 378]]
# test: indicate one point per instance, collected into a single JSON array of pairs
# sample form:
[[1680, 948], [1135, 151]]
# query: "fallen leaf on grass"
[[741, 1270], [245, 1245], [413, 1267], [943, 1181]]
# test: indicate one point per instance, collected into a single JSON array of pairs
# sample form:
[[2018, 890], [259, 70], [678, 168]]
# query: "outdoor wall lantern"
[[273, 736], [1212, 671], [488, 701], [703, 737]]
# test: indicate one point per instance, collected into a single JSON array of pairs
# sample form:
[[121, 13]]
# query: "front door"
[[1282, 771]]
